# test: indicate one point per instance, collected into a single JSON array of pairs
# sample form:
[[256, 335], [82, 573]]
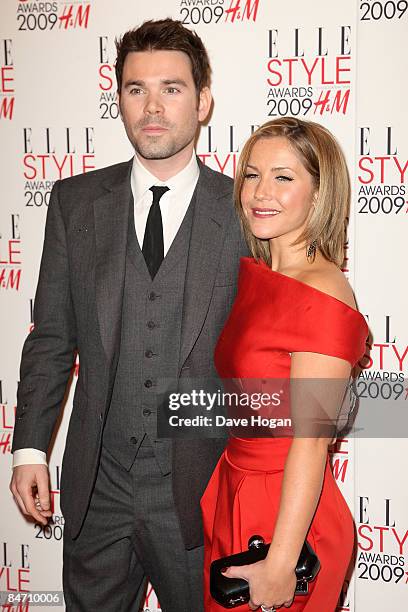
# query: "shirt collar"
[[142, 179]]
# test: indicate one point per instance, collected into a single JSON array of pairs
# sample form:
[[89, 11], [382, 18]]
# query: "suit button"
[[152, 296], [149, 354], [147, 412], [151, 324], [133, 440], [148, 383]]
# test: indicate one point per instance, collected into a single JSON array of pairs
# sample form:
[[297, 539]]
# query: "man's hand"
[[30, 486]]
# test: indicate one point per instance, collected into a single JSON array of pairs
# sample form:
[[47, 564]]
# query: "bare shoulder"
[[330, 279]]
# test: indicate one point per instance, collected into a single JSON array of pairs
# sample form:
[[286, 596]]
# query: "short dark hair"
[[165, 35]]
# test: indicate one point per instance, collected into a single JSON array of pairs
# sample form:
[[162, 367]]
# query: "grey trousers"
[[131, 533]]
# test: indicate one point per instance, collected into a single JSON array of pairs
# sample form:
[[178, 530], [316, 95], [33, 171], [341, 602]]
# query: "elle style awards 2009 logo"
[[108, 100], [15, 572], [386, 356], [382, 542], [384, 10], [381, 173], [42, 16], [194, 12], [307, 78], [7, 419], [7, 91], [219, 146], [11, 255], [50, 154]]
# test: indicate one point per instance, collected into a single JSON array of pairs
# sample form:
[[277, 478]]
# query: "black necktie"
[[153, 248]]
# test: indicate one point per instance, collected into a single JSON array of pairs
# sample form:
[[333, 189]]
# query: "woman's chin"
[[263, 235]]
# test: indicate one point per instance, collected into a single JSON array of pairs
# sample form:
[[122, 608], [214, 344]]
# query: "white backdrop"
[[340, 63]]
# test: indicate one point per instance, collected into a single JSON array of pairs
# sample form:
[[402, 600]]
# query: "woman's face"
[[277, 193]]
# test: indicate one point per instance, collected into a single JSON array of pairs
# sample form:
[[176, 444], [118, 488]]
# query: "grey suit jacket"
[[78, 308]]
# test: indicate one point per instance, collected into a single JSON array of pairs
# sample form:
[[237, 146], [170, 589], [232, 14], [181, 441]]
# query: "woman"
[[294, 318]]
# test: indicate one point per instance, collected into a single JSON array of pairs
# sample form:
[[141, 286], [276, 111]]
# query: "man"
[[138, 273]]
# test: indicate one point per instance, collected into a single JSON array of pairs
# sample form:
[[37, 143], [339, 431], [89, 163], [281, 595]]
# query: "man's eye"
[[171, 90], [136, 91], [250, 175]]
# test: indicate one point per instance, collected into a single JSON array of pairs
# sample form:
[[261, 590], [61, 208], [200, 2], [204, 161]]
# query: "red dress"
[[273, 316]]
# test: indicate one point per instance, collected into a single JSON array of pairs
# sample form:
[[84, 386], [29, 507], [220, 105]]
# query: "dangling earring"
[[311, 251]]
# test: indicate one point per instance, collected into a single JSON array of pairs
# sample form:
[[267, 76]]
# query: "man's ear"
[[204, 103]]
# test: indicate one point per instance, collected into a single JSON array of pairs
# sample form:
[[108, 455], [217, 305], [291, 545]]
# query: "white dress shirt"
[[173, 206], [173, 203]]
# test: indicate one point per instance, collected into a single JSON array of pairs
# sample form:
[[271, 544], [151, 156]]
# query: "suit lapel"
[[212, 212], [211, 217], [111, 213]]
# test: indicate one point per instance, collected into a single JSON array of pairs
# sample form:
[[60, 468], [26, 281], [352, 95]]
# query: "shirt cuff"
[[25, 456]]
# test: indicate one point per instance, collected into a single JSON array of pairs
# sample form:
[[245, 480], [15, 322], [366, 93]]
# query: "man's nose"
[[153, 104]]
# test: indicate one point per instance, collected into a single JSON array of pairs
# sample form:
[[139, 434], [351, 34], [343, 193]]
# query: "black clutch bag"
[[231, 592]]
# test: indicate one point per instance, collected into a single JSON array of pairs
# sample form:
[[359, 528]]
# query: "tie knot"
[[158, 191]]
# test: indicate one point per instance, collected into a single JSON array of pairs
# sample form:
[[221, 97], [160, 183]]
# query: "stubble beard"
[[165, 145], [155, 148]]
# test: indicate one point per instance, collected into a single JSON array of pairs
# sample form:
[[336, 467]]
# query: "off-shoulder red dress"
[[273, 316]]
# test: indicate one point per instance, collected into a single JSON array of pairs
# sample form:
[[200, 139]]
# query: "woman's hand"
[[269, 585]]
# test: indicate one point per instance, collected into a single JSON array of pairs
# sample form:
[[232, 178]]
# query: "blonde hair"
[[323, 158]]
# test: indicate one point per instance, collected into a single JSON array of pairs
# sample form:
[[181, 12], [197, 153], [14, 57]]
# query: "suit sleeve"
[[48, 352]]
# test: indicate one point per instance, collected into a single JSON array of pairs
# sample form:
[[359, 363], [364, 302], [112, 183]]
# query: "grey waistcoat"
[[149, 347]]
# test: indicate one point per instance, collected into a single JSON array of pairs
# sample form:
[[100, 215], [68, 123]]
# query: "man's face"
[[158, 103]]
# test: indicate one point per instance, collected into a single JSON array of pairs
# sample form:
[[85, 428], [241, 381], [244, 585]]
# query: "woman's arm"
[[320, 382]]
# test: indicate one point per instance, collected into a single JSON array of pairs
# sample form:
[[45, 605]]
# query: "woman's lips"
[[264, 213]]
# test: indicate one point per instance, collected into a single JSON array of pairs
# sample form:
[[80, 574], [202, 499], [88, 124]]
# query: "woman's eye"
[[281, 177], [250, 175]]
